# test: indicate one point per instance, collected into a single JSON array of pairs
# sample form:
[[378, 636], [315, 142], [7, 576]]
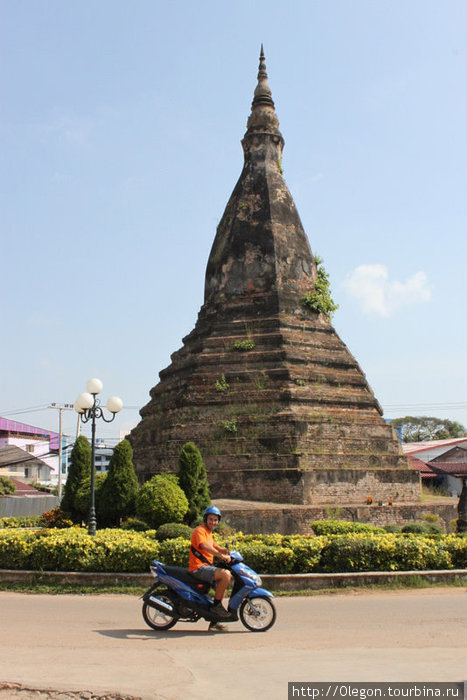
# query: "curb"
[[276, 582]]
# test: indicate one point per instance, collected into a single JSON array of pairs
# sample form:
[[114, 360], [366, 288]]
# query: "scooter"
[[177, 595]]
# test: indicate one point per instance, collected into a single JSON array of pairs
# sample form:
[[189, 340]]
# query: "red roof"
[[453, 468], [414, 447], [23, 489], [422, 467]]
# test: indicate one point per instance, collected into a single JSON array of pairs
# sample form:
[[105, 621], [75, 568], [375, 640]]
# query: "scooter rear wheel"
[[258, 614], [157, 619]]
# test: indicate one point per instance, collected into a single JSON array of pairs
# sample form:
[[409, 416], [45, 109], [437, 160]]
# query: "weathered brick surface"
[[297, 519], [293, 397]]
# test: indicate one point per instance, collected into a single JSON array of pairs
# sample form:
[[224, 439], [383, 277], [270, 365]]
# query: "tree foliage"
[[319, 299], [421, 428], [120, 488], [193, 481], [79, 470], [161, 500], [83, 498], [7, 487]]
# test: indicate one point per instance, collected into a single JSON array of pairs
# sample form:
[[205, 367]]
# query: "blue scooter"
[[177, 595]]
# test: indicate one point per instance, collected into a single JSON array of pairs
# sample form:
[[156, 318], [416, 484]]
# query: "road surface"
[[100, 643]]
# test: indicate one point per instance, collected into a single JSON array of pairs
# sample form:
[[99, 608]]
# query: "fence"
[[26, 505]]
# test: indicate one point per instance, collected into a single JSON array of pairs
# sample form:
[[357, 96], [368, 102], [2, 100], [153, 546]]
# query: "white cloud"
[[371, 286]]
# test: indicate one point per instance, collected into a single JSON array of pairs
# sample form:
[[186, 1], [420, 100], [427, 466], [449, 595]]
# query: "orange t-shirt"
[[200, 534]]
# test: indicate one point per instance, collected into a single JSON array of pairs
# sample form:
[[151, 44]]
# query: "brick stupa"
[[278, 406]]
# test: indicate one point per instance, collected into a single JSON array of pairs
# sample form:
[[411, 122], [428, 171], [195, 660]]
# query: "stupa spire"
[[263, 93], [263, 117]]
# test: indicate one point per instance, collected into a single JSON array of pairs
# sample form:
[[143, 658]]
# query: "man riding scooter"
[[203, 549]]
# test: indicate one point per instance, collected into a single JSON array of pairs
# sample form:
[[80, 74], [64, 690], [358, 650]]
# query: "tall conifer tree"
[[193, 480], [79, 470], [118, 494]]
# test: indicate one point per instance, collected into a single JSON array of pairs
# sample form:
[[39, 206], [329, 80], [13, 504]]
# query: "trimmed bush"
[[456, 545], [115, 550], [134, 524], [340, 527], [422, 528], [74, 550], [160, 500], [15, 548], [391, 552], [307, 552], [175, 552], [171, 531], [21, 521], [268, 559]]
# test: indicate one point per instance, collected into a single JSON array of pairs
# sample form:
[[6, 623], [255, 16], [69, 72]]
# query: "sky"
[[120, 132]]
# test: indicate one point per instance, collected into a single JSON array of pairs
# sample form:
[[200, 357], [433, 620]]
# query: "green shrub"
[[456, 545], [15, 548], [83, 498], [391, 552], [340, 527], [171, 531], [123, 551], [307, 552], [160, 500], [319, 299], [134, 524], [74, 550], [422, 528], [21, 521], [55, 518], [244, 345], [222, 384], [224, 529], [175, 552], [268, 559], [359, 552], [7, 487]]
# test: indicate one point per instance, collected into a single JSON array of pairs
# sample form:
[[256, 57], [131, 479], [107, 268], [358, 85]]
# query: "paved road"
[[100, 643]]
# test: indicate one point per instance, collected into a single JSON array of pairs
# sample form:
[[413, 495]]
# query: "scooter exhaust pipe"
[[159, 604]]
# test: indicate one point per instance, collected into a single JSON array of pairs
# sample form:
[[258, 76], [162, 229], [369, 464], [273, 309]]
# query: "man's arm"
[[215, 550]]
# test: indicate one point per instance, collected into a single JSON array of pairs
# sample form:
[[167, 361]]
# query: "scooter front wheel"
[[258, 614], [157, 619]]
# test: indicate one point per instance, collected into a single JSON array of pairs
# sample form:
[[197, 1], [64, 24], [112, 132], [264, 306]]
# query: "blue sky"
[[121, 125]]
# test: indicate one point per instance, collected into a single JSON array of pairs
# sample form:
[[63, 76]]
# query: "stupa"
[[263, 385]]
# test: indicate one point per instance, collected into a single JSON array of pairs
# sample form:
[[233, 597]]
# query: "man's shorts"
[[205, 573]]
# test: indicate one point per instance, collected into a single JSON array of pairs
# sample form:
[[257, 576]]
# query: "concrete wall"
[[15, 506]]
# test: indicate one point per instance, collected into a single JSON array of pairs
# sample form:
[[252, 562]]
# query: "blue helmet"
[[211, 510]]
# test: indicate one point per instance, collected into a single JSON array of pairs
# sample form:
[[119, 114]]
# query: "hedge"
[[128, 551], [341, 527]]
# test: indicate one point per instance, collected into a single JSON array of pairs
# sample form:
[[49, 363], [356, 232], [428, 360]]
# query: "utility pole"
[[60, 407]]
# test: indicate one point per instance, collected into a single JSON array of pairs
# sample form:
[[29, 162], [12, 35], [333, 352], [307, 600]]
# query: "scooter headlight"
[[257, 580]]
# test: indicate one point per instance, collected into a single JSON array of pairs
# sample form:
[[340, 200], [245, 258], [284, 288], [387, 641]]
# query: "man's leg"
[[222, 578]]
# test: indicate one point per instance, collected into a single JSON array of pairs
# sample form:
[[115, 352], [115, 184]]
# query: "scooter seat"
[[183, 575]]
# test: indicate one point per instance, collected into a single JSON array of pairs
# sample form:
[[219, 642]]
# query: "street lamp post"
[[89, 408]]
